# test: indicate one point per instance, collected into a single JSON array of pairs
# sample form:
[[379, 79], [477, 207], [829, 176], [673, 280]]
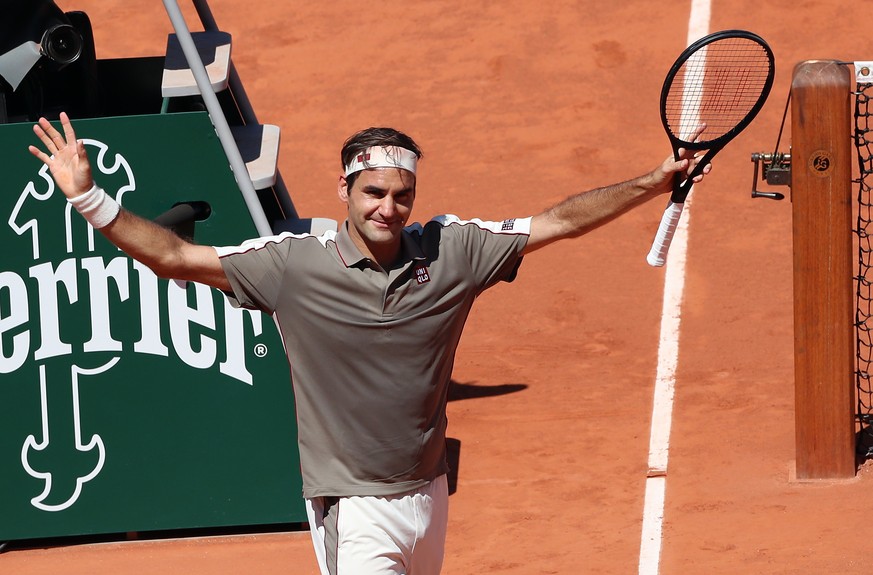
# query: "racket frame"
[[682, 187]]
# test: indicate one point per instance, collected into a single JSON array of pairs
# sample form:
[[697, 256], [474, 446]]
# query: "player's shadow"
[[457, 392]]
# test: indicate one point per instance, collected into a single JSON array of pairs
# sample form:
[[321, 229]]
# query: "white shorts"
[[403, 534]]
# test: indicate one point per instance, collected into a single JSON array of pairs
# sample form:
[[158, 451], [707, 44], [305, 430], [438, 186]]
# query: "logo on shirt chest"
[[422, 275]]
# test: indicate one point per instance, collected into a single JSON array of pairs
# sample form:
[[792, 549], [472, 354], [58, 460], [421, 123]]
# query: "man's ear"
[[342, 189]]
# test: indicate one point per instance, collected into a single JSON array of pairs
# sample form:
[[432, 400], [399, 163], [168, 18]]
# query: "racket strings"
[[718, 86]]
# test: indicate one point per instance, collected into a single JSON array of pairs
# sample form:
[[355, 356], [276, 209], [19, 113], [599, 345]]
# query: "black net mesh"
[[864, 231]]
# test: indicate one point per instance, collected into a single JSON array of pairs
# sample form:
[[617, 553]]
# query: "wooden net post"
[[821, 190]]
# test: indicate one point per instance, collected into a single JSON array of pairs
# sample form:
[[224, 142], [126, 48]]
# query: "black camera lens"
[[62, 43]]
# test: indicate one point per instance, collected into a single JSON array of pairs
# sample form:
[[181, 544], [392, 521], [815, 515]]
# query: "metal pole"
[[237, 164]]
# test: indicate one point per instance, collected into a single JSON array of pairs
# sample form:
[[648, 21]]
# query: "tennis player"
[[371, 316]]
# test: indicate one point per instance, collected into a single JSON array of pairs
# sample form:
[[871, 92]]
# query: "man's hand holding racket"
[[712, 92], [686, 166]]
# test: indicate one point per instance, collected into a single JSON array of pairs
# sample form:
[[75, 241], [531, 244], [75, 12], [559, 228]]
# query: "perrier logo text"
[[71, 313]]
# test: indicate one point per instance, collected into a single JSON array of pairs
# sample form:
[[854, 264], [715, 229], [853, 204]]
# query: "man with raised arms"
[[371, 316]]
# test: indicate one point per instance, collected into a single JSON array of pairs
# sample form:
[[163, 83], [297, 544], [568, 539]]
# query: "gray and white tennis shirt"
[[371, 351]]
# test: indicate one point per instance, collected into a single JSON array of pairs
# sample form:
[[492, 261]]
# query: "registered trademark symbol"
[[261, 350]]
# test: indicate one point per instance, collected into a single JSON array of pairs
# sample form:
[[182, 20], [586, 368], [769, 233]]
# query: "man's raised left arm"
[[589, 210]]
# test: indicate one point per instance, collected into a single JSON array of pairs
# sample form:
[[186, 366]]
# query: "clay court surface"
[[516, 105]]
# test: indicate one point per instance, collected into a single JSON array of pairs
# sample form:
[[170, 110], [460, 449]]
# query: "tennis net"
[[863, 140]]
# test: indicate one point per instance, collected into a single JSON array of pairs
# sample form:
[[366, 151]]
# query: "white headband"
[[383, 157]]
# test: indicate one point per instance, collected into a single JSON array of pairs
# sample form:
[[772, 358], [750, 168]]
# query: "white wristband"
[[96, 206]]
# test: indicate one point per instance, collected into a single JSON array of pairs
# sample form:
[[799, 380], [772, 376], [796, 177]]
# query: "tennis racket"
[[714, 90]]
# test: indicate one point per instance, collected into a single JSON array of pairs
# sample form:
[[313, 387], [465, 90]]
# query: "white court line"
[[668, 359]]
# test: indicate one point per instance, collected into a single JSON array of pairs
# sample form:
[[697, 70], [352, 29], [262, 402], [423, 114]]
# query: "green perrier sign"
[[129, 402]]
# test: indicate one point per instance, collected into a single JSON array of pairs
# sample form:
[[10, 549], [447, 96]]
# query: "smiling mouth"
[[380, 224]]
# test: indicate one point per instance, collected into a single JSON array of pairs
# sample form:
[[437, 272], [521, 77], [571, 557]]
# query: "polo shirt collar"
[[352, 256]]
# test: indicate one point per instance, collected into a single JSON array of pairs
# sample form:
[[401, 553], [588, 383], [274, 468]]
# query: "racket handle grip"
[[661, 244]]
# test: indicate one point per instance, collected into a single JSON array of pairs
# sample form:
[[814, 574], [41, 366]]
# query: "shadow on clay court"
[[457, 392]]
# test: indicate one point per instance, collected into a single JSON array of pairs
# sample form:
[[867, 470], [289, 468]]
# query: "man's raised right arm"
[[167, 254]]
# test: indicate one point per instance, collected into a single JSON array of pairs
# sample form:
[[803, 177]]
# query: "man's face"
[[380, 203]]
